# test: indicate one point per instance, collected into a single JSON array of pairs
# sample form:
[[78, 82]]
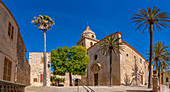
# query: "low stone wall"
[[6, 86]]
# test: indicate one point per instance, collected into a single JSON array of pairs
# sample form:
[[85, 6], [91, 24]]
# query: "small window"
[[91, 43], [92, 36], [95, 57], [167, 80], [134, 57], [35, 79], [82, 43], [127, 55], [140, 60], [10, 30]]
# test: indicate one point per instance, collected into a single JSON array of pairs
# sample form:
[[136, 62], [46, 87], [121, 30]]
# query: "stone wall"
[[128, 68], [7, 45], [23, 67], [12, 48], [104, 61], [67, 80], [133, 67], [36, 61]]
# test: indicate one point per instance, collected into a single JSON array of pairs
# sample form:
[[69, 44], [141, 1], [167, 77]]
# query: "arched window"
[[95, 57], [91, 43], [92, 36]]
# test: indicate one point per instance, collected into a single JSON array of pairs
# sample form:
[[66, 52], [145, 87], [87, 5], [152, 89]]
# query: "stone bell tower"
[[88, 38]]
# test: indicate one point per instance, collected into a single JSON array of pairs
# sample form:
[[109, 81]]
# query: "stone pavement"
[[81, 89]]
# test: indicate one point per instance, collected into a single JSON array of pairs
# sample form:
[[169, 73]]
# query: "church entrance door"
[[96, 79]]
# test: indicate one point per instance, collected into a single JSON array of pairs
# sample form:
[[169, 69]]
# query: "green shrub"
[[60, 79]]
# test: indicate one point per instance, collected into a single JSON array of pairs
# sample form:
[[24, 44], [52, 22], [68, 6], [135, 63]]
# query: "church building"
[[128, 68]]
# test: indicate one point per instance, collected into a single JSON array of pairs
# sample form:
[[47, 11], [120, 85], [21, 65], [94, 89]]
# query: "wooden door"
[[96, 79]]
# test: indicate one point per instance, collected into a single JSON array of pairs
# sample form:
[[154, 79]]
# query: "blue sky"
[[71, 16]]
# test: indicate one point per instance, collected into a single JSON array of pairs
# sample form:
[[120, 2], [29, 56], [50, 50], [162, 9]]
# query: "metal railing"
[[6, 86], [88, 89]]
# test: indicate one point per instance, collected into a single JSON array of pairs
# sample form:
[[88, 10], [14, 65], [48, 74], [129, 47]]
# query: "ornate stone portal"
[[96, 67]]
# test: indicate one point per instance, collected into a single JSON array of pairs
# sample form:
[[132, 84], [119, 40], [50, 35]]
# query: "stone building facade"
[[128, 68], [66, 77], [36, 61], [22, 65], [165, 78], [11, 57]]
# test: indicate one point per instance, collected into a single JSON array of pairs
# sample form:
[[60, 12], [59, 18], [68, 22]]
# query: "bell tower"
[[88, 38]]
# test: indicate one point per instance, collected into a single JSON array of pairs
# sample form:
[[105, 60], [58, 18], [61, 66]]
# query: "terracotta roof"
[[9, 13]]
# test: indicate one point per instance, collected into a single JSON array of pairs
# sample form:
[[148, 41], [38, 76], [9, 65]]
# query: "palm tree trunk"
[[70, 79], [159, 74], [110, 67], [157, 69], [157, 66], [45, 75], [150, 57]]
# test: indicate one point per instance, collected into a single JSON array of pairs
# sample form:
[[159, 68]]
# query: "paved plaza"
[[95, 88]]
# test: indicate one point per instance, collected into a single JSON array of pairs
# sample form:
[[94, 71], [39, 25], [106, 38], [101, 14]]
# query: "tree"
[[161, 57], [111, 43], [44, 23], [73, 60], [59, 59], [78, 61], [152, 19]]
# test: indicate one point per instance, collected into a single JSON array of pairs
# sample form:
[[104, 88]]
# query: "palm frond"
[[44, 22], [111, 41], [151, 16], [161, 54]]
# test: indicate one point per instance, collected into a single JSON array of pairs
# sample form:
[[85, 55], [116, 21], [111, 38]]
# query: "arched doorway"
[[95, 68]]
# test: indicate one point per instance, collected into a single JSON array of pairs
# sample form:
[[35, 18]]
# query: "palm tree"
[[161, 57], [111, 43], [44, 23], [152, 19]]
